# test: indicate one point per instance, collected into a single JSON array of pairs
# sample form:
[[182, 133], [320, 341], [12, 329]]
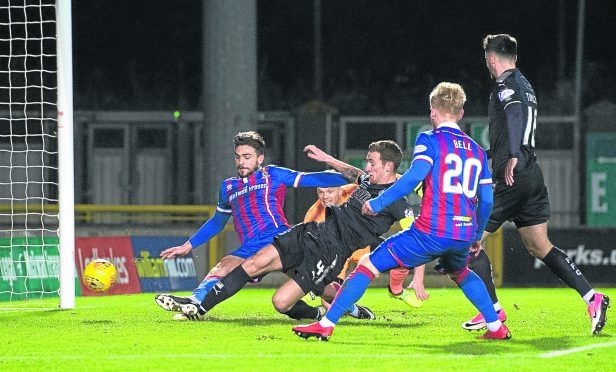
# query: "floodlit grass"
[[245, 333]]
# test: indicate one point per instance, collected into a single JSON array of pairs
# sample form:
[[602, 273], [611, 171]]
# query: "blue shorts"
[[254, 244], [411, 248]]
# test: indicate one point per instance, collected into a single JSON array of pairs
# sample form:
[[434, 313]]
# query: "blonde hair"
[[449, 98]]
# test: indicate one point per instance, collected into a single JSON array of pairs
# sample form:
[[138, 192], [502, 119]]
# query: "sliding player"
[[255, 199], [317, 251]]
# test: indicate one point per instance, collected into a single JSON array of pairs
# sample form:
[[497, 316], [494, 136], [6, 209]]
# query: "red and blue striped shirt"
[[256, 202], [458, 167]]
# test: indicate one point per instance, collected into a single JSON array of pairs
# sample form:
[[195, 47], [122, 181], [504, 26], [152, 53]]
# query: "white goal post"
[[66, 188], [37, 233]]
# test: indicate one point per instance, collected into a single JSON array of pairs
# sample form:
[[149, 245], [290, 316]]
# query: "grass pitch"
[[550, 328]]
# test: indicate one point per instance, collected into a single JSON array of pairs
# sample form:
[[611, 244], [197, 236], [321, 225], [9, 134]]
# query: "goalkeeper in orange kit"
[[338, 195]]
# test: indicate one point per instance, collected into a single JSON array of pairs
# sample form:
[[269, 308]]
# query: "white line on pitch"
[[229, 356], [556, 353], [43, 308]]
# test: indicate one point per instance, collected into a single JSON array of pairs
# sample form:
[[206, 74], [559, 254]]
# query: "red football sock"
[[396, 278]]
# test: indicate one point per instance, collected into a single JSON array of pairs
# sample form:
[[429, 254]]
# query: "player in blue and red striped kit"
[[455, 173], [255, 199]]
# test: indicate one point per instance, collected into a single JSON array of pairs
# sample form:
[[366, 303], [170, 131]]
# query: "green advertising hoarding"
[[600, 179], [29, 268], [478, 130]]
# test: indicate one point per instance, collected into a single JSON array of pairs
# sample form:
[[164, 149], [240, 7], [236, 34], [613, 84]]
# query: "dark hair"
[[503, 45], [252, 139], [389, 150]]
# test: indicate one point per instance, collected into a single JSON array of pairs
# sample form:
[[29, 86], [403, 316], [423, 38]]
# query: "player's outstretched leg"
[[352, 290], [171, 302], [315, 330], [597, 309], [477, 294], [478, 322], [225, 288], [360, 312], [481, 266], [205, 286], [395, 290]]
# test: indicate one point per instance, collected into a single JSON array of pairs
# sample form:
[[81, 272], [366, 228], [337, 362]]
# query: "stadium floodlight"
[[37, 237]]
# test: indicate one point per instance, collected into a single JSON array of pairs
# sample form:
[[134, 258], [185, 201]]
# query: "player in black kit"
[[520, 194], [316, 252]]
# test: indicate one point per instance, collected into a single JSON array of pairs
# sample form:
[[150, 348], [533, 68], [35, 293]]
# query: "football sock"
[[225, 288], [302, 310], [563, 267], [589, 297], [353, 310], [494, 326], [352, 290], [477, 294], [497, 306], [483, 268], [396, 278], [204, 287]]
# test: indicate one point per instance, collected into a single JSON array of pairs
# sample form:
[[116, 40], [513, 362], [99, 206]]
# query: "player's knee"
[[214, 271], [280, 304], [366, 266]]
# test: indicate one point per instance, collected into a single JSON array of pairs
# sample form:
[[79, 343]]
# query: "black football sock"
[[563, 267], [483, 268], [225, 288], [302, 310]]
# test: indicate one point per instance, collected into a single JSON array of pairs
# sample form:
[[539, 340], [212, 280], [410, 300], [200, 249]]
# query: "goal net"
[[33, 128]]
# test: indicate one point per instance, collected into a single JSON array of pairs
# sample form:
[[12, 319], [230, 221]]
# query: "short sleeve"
[[223, 205], [424, 149], [286, 176]]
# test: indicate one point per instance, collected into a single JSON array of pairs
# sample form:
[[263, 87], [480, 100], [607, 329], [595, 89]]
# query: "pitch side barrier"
[[592, 250]]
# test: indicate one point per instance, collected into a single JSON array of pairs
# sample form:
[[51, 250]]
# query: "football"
[[99, 275]]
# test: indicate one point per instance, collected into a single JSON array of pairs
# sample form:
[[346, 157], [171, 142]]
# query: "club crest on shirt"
[[505, 94], [229, 187]]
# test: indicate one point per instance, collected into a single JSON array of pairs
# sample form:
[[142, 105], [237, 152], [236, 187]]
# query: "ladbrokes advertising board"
[[116, 250], [592, 250]]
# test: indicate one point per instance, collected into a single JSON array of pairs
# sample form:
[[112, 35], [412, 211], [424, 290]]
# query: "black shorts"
[[525, 203], [309, 251]]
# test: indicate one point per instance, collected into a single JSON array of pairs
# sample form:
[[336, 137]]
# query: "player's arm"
[[410, 179], [421, 165], [484, 206], [350, 172], [515, 118], [293, 178], [206, 232]]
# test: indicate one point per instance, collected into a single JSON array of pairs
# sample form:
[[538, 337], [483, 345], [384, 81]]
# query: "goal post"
[[37, 224], [66, 182]]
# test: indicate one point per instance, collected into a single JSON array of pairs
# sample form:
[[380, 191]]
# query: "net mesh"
[[28, 150]]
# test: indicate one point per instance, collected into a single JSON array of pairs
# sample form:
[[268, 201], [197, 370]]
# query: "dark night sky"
[[150, 50]]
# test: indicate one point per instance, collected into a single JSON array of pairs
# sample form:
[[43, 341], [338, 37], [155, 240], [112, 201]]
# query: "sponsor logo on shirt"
[[247, 189]]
